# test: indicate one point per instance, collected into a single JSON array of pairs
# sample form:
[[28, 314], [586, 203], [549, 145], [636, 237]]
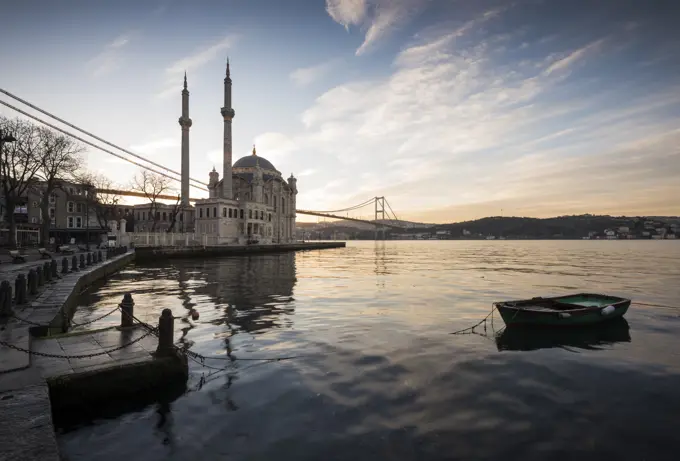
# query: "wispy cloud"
[[574, 56], [378, 17], [111, 58], [193, 62], [153, 147], [307, 75], [462, 121]]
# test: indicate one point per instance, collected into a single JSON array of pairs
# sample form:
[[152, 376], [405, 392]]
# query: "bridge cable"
[[93, 136], [361, 205], [94, 145]]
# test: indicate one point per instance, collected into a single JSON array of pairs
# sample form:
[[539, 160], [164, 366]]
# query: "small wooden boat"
[[577, 309]]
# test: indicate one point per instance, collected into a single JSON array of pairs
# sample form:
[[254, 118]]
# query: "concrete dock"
[[148, 253], [45, 371]]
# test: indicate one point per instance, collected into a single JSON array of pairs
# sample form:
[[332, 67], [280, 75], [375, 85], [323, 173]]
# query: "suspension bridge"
[[375, 211]]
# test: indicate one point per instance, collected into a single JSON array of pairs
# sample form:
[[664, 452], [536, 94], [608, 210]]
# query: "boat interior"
[[563, 303]]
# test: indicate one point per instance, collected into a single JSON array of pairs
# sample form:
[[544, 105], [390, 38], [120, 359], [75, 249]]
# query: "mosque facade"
[[252, 202]]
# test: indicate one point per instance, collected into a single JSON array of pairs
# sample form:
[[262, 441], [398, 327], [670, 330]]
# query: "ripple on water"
[[379, 376]]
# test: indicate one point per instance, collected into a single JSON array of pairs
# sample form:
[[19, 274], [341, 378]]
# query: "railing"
[[170, 239]]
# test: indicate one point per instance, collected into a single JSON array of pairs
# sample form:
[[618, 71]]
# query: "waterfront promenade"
[[42, 365]]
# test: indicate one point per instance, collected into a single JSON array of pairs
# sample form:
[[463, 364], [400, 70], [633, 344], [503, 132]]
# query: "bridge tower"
[[379, 214]]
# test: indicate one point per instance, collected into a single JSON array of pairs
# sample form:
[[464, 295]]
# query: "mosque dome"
[[251, 161]]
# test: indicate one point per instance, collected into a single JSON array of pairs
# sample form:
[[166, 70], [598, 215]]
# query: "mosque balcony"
[[185, 122], [227, 112]]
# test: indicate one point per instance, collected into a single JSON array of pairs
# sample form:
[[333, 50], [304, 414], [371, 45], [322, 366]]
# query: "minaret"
[[228, 114], [185, 123]]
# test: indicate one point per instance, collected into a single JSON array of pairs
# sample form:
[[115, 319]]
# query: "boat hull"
[[522, 313]]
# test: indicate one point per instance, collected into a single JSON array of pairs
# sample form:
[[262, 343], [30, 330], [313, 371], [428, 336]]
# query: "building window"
[[70, 207], [262, 215], [53, 198], [79, 207], [143, 215], [138, 216], [165, 216], [230, 212], [237, 196], [215, 212], [200, 212], [70, 190], [270, 217], [275, 201], [79, 222], [247, 196], [283, 205], [224, 212], [69, 222], [241, 214], [181, 217], [250, 214], [51, 212], [158, 216]]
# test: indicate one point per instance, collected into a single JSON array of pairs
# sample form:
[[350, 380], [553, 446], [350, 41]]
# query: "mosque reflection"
[[255, 292], [585, 338]]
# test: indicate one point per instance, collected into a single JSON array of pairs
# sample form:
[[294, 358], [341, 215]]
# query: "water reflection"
[[519, 338]]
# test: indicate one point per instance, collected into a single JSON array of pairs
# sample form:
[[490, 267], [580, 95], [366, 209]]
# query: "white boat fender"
[[565, 315], [608, 310]]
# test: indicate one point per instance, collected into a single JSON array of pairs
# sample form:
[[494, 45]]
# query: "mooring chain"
[[81, 356], [97, 319]]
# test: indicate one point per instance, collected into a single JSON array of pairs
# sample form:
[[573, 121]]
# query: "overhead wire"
[[32, 106], [94, 145]]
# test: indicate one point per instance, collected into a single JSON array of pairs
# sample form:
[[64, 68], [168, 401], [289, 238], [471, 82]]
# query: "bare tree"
[[152, 186], [61, 157], [102, 197], [19, 162], [176, 208]]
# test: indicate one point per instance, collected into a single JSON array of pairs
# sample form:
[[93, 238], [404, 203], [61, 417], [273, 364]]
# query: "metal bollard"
[[47, 272], [5, 298], [32, 282], [53, 268], [166, 326], [40, 276], [127, 311], [64, 266], [82, 261], [20, 289]]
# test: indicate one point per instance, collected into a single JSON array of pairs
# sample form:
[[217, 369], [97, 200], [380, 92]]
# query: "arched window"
[[241, 214], [230, 212]]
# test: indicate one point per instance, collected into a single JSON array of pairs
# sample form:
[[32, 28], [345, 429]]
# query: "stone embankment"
[[168, 252]]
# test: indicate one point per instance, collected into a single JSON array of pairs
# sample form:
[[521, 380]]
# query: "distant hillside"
[[569, 227], [557, 227]]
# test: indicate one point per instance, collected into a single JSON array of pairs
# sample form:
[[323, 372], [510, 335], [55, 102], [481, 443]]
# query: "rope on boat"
[[483, 321], [656, 305]]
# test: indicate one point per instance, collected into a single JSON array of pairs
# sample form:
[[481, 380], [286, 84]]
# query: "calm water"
[[382, 377]]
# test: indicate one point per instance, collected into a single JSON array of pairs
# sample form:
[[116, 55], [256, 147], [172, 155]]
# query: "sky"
[[451, 109]]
